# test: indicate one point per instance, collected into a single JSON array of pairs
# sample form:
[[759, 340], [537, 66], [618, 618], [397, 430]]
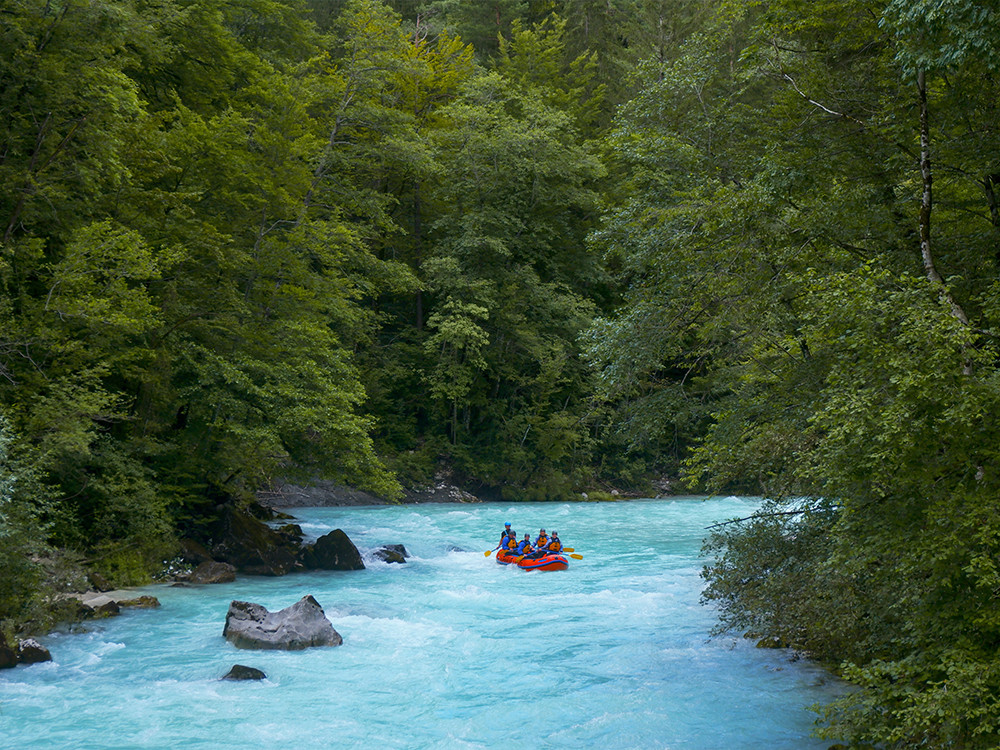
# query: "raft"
[[546, 562]]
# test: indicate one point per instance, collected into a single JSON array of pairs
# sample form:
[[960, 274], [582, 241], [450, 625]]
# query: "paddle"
[[564, 550]]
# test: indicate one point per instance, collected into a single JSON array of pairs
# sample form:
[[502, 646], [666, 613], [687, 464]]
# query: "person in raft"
[[510, 543], [525, 547], [504, 534], [554, 547], [542, 540]]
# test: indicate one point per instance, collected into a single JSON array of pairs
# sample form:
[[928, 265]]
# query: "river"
[[449, 650]]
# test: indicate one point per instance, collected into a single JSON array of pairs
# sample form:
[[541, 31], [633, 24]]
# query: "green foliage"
[[182, 286], [253, 238], [783, 320], [21, 541]]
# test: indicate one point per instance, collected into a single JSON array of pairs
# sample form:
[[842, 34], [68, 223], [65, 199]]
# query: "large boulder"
[[30, 651], [213, 572], [333, 551], [253, 546], [299, 626]]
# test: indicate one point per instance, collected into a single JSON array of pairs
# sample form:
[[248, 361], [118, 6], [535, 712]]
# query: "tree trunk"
[[927, 202]]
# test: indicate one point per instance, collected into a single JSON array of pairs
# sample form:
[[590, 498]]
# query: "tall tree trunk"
[[927, 202]]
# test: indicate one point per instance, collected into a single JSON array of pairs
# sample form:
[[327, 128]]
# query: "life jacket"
[[555, 546], [542, 541], [511, 543], [525, 548]]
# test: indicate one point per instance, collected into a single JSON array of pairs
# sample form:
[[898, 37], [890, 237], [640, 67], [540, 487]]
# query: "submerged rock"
[[299, 626], [241, 672], [333, 551], [391, 553], [30, 651]]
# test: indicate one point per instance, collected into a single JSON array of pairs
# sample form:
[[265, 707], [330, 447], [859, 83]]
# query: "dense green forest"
[[539, 244]]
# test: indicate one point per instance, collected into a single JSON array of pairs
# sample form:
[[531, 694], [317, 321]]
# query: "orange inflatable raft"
[[545, 562]]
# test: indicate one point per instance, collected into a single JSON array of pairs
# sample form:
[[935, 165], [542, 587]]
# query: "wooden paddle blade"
[[577, 557]]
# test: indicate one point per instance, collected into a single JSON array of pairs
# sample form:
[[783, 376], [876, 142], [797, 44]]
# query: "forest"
[[546, 246]]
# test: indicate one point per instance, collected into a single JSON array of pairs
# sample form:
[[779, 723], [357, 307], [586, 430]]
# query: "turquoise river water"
[[449, 650]]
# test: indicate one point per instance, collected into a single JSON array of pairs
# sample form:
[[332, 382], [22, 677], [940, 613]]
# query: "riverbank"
[[324, 494]]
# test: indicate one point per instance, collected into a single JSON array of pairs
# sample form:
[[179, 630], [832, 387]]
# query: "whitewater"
[[449, 650]]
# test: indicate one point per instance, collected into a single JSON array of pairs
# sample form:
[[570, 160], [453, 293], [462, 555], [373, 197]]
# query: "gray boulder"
[[241, 672], [299, 626], [333, 551], [30, 651]]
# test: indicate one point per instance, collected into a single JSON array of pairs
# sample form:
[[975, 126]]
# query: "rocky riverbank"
[[324, 494]]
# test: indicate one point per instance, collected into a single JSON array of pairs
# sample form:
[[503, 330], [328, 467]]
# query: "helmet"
[[507, 524], [541, 531], [555, 533]]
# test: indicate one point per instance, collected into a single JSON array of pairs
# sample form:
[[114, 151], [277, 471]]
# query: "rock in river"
[[333, 551], [241, 672], [30, 651], [299, 626], [391, 553]]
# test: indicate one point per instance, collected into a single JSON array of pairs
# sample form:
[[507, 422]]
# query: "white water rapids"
[[449, 650]]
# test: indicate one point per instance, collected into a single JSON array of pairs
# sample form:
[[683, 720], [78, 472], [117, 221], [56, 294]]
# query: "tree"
[[802, 285], [175, 335]]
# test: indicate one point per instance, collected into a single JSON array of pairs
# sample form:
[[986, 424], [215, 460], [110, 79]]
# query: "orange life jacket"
[[555, 546]]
